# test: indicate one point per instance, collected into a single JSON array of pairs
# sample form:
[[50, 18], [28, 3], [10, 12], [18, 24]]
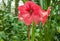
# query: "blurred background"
[[11, 29]]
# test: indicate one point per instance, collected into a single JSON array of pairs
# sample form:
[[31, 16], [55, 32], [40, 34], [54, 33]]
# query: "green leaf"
[[41, 3]]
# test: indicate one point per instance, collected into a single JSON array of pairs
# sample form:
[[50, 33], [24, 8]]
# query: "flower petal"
[[28, 20], [36, 19], [44, 15]]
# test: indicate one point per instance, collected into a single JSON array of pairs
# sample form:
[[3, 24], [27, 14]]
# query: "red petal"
[[22, 9], [44, 20], [36, 19], [28, 20], [44, 15], [20, 17]]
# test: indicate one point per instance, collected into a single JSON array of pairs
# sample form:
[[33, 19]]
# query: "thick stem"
[[33, 33], [16, 7], [29, 33]]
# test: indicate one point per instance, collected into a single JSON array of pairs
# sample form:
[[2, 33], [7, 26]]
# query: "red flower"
[[32, 12], [29, 12], [44, 15]]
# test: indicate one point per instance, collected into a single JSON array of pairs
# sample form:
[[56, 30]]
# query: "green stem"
[[29, 33], [33, 33], [16, 7]]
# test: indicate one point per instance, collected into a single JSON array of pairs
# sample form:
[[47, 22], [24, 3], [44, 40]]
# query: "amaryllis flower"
[[29, 12], [44, 15]]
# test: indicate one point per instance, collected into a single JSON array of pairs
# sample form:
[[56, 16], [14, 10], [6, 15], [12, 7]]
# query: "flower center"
[[30, 11]]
